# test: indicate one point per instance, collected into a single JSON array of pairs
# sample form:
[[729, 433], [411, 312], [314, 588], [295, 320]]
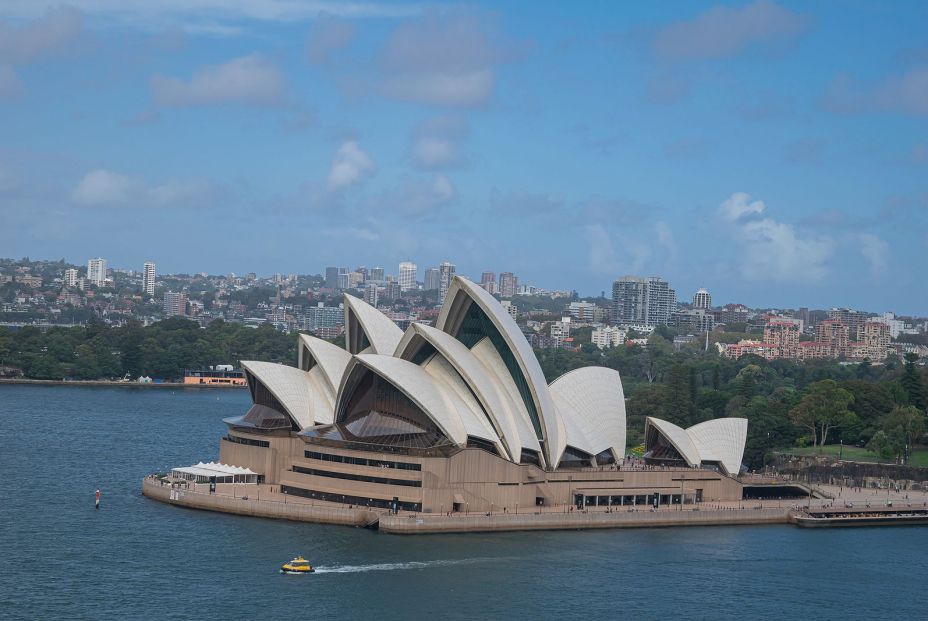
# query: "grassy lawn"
[[919, 455]]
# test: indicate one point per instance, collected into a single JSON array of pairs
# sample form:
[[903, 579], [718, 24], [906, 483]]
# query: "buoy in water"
[[97, 497]]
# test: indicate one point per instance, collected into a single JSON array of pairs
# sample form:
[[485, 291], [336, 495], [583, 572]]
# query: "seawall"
[[577, 520], [297, 511], [424, 523]]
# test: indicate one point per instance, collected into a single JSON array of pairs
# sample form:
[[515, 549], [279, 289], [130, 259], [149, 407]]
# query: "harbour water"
[[136, 558]]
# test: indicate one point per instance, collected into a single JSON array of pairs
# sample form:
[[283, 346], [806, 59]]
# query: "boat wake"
[[352, 569]]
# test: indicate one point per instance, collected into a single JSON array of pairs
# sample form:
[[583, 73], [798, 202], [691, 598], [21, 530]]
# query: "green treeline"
[[787, 403], [162, 350]]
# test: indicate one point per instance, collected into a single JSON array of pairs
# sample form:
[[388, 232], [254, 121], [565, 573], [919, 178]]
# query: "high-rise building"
[[630, 301], [560, 331], [833, 334], [853, 319], [175, 304], [508, 284], [874, 339], [432, 279], [783, 335], [331, 277], [642, 301], [342, 282], [371, 294], [702, 299], [608, 336], [392, 290], [488, 282], [376, 274], [445, 276], [70, 277], [662, 301], [511, 308], [148, 278], [355, 279], [96, 271], [407, 275]]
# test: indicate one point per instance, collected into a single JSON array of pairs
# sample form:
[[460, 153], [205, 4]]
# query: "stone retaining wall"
[[577, 520], [297, 511]]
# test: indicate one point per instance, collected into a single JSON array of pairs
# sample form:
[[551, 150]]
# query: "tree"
[[905, 424], [824, 407], [912, 383]]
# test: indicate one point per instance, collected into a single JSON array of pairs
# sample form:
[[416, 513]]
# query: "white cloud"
[[876, 251], [247, 80], [350, 166], [905, 93], [327, 35], [106, 188], [445, 57], [102, 188], [771, 251], [418, 197], [462, 89], [436, 142], [726, 31], [738, 205], [47, 32]]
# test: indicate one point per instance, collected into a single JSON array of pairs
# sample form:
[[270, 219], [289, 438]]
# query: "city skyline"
[[772, 152]]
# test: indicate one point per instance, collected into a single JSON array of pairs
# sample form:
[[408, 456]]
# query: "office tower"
[[488, 282], [175, 304], [445, 276], [342, 282], [508, 283], [630, 301], [96, 271], [662, 301], [370, 294], [642, 301], [331, 277], [407, 276], [432, 279], [376, 274], [702, 299], [148, 278], [70, 277]]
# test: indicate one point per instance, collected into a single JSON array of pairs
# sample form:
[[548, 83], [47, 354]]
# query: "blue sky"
[[773, 152]]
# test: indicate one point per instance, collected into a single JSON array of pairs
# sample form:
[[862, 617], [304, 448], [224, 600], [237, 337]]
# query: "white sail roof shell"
[[552, 426], [591, 402], [291, 386], [331, 358], [381, 332], [678, 437], [444, 407], [721, 440], [493, 396]]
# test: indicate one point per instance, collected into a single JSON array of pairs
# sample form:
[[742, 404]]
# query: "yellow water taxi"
[[299, 565]]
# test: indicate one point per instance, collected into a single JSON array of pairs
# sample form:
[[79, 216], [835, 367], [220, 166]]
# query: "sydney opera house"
[[459, 417]]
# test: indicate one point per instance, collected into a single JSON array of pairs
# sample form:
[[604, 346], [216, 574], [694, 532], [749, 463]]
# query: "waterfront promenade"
[[266, 501]]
